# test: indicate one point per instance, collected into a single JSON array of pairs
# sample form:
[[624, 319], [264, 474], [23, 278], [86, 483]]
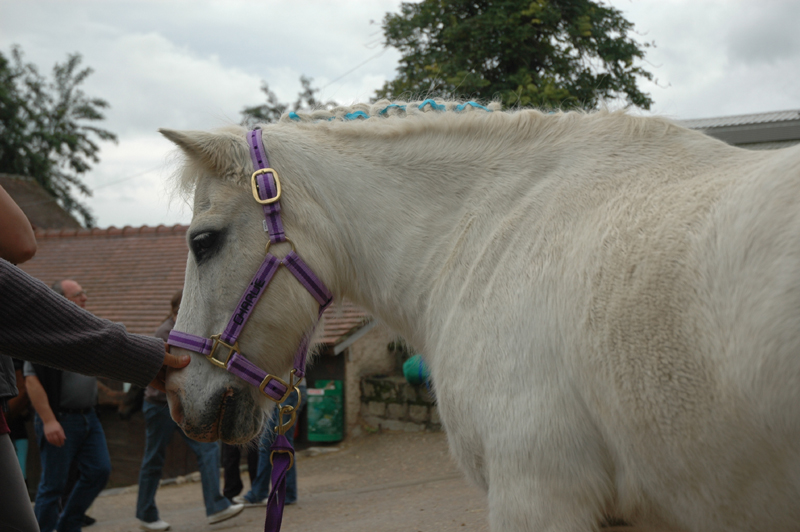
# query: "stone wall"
[[391, 403], [367, 356]]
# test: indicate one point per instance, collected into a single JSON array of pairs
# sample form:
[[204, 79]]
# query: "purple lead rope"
[[266, 190], [282, 456]]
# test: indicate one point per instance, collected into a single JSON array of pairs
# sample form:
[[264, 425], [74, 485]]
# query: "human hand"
[[170, 361], [54, 433]]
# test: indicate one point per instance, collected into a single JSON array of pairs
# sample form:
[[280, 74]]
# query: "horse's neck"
[[398, 208]]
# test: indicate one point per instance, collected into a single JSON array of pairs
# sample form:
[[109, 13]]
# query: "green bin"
[[326, 411]]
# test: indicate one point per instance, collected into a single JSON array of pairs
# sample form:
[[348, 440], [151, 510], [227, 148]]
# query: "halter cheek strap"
[[223, 349]]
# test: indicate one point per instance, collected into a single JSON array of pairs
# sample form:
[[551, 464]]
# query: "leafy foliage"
[[545, 53], [45, 127], [272, 110]]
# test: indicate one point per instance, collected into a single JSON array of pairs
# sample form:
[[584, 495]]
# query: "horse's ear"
[[223, 152]]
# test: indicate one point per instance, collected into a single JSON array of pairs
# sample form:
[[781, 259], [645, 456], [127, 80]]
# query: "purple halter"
[[223, 349]]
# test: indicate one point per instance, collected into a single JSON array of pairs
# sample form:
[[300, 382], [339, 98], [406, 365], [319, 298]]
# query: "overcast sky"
[[196, 64]]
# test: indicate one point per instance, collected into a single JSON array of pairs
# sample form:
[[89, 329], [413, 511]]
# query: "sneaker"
[[155, 526], [241, 499], [231, 511], [87, 520]]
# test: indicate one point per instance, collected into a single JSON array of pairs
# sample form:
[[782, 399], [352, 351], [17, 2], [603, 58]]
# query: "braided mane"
[[386, 108]]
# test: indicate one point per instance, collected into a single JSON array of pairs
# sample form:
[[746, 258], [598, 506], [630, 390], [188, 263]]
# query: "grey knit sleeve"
[[38, 325]]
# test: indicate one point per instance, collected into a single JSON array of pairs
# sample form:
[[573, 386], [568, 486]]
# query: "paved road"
[[381, 482]]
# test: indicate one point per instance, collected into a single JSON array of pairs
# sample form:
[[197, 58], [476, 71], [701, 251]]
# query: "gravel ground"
[[378, 482]]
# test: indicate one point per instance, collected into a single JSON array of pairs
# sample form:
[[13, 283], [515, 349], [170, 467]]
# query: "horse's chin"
[[234, 417], [240, 418]]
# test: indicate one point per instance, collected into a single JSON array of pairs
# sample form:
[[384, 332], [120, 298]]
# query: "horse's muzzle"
[[230, 415]]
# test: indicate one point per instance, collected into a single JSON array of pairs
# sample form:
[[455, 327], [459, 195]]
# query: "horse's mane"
[[386, 109], [396, 119], [371, 114]]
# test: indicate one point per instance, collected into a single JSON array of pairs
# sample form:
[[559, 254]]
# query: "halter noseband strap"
[[223, 349]]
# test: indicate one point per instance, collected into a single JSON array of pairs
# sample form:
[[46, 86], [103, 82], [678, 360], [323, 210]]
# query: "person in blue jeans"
[[67, 430], [159, 428], [85, 443], [259, 490]]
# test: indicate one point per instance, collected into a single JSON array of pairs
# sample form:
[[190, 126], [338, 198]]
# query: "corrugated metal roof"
[[131, 273], [740, 120], [770, 145]]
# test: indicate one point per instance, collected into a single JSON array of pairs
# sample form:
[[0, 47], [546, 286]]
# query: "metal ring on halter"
[[254, 186], [266, 250]]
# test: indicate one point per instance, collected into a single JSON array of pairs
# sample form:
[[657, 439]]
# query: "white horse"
[[609, 304]]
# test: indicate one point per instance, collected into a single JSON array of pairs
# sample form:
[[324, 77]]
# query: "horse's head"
[[227, 246]]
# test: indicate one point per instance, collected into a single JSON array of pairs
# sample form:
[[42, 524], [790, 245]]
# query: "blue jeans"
[[86, 445], [260, 487], [158, 432]]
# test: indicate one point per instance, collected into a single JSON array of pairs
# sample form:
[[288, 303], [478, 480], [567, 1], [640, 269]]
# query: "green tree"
[[546, 53], [46, 129], [272, 110]]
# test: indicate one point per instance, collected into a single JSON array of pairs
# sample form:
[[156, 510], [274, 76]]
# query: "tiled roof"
[[131, 273], [41, 208], [339, 320], [740, 120]]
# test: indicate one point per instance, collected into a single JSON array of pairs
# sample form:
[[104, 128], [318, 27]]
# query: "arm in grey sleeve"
[[40, 326]]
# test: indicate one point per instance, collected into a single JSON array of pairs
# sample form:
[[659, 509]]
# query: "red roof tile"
[[41, 208], [131, 273], [130, 277], [339, 320]]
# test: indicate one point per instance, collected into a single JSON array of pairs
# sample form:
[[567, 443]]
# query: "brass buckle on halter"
[[231, 350], [255, 187], [267, 379]]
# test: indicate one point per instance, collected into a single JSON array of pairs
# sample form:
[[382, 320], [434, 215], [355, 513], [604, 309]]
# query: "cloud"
[[765, 33], [132, 186], [167, 85], [717, 58], [197, 64]]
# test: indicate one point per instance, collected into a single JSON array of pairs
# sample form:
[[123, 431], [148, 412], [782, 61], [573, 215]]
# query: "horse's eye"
[[205, 245]]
